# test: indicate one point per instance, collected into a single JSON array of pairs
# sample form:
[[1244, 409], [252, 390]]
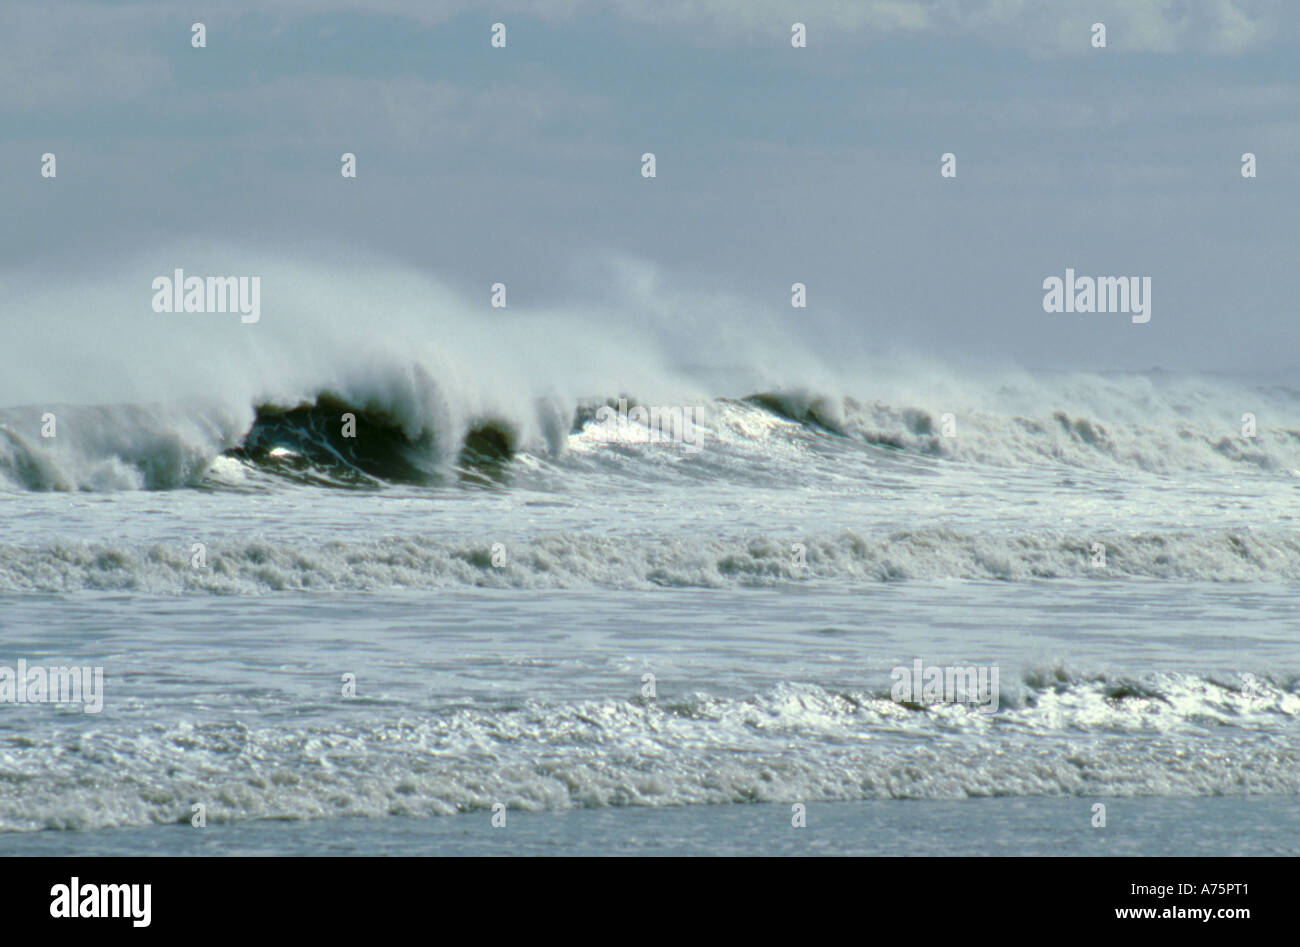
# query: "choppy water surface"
[[506, 606]]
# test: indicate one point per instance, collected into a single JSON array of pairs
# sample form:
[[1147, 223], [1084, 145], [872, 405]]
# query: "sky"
[[774, 165]]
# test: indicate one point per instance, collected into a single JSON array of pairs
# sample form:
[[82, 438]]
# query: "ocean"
[[564, 627]]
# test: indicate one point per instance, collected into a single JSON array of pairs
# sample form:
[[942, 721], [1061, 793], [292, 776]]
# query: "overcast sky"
[[774, 164]]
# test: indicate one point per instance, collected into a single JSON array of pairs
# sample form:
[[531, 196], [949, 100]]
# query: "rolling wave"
[[315, 441], [411, 431], [585, 561]]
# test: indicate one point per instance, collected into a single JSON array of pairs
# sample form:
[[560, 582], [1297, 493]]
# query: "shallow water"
[[641, 642]]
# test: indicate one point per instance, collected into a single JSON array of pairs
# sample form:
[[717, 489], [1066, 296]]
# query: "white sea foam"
[[1099, 737], [581, 561]]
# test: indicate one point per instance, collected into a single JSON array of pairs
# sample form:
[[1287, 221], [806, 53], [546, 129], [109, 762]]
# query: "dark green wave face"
[[310, 442]]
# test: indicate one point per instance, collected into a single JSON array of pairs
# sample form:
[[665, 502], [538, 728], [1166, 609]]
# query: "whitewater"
[[502, 566]]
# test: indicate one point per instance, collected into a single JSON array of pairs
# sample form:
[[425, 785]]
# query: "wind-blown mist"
[[146, 399]]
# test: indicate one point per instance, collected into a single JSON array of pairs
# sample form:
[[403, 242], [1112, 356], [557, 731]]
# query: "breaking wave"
[[405, 428], [1055, 734], [583, 561]]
